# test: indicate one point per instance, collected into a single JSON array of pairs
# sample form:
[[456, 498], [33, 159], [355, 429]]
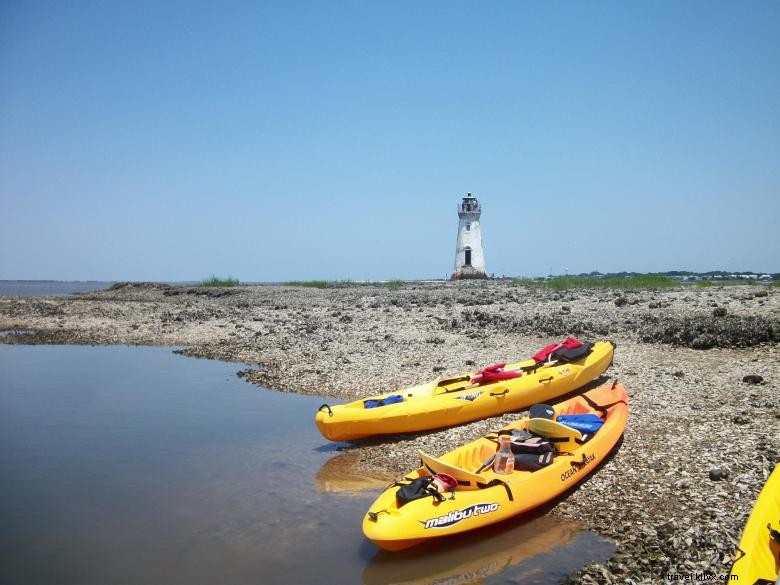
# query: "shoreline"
[[682, 354]]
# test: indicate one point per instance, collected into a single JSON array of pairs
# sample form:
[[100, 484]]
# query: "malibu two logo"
[[456, 516]]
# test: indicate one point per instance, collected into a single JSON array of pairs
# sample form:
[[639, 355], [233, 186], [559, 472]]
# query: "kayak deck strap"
[[602, 407]]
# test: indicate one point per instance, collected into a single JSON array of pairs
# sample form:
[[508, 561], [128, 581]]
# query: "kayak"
[[760, 544], [494, 390], [477, 495]]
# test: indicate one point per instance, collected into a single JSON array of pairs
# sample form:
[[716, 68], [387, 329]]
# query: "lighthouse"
[[469, 259]]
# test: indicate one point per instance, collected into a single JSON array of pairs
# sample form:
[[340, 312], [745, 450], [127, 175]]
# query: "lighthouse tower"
[[469, 259]]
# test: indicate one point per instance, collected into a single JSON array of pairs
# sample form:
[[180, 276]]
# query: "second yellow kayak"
[[443, 403], [481, 496]]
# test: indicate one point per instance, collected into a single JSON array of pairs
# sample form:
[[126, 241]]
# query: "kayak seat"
[[567, 355], [544, 427], [565, 438], [474, 458], [466, 479]]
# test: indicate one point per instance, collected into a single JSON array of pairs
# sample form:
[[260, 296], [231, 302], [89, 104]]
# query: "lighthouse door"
[[468, 256]]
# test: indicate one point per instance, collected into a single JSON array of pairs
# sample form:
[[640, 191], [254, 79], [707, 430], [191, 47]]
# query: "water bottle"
[[504, 463]]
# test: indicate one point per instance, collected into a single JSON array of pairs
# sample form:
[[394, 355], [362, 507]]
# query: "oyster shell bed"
[[700, 366]]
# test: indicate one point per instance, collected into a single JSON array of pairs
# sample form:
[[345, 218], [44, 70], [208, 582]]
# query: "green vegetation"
[[703, 283], [393, 284], [643, 281], [775, 284], [214, 281], [308, 283], [322, 283]]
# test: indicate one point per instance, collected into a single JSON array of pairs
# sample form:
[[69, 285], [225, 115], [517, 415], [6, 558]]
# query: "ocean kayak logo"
[[457, 515], [576, 466]]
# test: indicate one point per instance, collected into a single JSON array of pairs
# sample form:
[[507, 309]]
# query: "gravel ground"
[[700, 365]]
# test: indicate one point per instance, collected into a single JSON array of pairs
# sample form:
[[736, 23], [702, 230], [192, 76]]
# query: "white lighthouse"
[[469, 259]]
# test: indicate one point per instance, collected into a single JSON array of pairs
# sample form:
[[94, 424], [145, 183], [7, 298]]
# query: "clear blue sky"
[[297, 140]]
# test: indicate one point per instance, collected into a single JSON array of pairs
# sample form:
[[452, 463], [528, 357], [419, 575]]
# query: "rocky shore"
[[700, 365]]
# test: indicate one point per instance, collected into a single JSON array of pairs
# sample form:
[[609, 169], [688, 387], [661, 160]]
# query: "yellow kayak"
[[461, 399], [480, 495], [760, 544]]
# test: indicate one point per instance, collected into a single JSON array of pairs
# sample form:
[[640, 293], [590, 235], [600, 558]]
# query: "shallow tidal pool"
[[135, 465]]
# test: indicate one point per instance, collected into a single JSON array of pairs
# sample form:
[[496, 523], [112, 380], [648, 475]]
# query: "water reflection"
[[341, 474], [471, 557]]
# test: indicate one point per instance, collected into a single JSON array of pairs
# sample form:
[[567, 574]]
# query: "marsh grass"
[[346, 283], [308, 283], [644, 281], [392, 285], [214, 281]]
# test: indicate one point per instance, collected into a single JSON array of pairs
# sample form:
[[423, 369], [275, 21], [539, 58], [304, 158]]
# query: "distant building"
[[469, 258]]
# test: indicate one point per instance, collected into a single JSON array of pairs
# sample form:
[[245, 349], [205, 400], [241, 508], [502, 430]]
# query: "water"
[[59, 288], [135, 465], [49, 288]]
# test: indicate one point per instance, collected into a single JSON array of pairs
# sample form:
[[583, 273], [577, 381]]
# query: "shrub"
[[214, 281]]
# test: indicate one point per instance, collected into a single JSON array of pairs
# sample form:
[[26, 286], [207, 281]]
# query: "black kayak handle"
[[545, 379], [330, 412], [506, 391]]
